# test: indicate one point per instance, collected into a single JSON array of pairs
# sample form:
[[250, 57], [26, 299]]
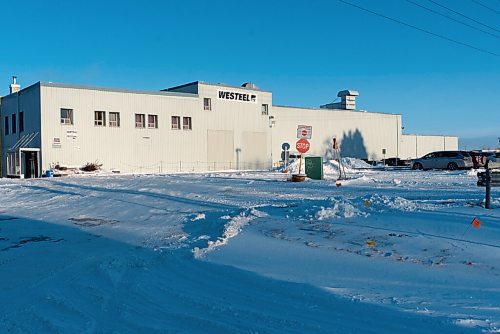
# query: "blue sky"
[[303, 51]]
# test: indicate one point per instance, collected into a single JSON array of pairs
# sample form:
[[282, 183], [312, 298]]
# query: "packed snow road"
[[384, 252]]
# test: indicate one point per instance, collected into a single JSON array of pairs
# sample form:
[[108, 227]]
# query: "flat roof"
[[118, 90], [104, 89], [345, 110], [216, 84]]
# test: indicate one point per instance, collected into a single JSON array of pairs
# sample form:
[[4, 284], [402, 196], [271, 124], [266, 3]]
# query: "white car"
[[451, 160]]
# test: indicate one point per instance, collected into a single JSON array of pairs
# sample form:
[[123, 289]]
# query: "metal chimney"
[[14, 87]]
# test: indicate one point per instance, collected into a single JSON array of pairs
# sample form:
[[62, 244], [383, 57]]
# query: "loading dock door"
[[220, 150], [254, 150]]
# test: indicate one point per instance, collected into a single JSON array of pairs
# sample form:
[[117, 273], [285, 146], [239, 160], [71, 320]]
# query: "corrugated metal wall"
[[233, 134], [416, 146], [28, 102], [125, 148], [360, 134], [215, 137]]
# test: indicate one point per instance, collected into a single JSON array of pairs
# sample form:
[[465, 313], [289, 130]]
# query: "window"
[[114, 119], [14, 123], [153, 121], [67, 116], [429, 156], [176, 122], [186, 123], [265, 109], [21, 121], [207, 103], [99, 118], [6, 125], [140, 120]]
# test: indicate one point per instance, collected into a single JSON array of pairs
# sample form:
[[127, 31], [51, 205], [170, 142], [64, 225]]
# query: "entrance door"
[[31, 165]]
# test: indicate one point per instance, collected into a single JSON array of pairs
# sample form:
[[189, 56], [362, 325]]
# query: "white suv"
[[451, 160]]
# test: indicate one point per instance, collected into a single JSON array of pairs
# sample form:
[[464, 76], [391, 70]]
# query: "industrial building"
[[194, 127]]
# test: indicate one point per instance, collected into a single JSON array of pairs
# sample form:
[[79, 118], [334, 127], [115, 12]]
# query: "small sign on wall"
[[72, 134], [56, 143]]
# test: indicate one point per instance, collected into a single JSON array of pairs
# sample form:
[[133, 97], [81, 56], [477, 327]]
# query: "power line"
[[451, 18], [482, 4], [420, 29], [454, 11]]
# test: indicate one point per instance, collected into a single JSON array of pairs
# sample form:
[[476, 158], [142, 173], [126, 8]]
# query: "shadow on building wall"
[[352, 145]]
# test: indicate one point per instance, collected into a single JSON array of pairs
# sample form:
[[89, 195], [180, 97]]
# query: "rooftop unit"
[[347, 100]]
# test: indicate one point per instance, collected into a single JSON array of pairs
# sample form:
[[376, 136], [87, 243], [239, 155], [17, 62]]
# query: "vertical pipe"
[[416, 146], [20, 163], [487, 203], [397, 140]]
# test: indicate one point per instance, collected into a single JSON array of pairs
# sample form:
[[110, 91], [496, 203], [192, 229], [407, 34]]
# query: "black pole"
[[487, 203]]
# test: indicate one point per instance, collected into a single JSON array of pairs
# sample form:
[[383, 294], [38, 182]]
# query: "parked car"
[[479, 158], [397, 162], [451, 160]]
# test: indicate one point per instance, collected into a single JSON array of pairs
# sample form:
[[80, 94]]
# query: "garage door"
[[254, 150], [220, 150]]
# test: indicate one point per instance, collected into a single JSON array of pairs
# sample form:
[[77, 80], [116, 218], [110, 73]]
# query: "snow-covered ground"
[[387, 251]]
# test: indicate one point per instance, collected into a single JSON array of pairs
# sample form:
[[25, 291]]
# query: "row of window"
[[140, 120], [207, 105], [14, 123]]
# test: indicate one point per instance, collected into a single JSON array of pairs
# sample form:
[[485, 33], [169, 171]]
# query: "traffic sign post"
[[285, 154], [302, 146]]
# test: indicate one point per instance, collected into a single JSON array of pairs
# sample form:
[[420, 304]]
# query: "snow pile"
[[199, 216], [331, 167], [353, 163], [231, 230], [340, 209]]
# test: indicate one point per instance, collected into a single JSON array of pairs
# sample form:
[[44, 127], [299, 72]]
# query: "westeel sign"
[[235, 96]]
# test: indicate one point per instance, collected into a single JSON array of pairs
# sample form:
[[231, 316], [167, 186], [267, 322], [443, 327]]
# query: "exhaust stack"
[[14, 87]]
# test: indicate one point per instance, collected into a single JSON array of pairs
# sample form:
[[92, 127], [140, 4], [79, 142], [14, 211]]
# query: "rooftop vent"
[[347, 100], [14, 87], [249, 85]]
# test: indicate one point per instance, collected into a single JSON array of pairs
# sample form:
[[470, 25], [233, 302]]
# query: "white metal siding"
[[233, 134], [416, 146], [360, 134], [126, 148], [130, 149]]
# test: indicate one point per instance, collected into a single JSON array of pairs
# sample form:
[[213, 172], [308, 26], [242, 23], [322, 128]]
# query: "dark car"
[[451, 160], [397, 162]]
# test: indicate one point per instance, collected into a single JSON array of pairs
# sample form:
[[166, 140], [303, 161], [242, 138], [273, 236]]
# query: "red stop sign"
[[302, 145], [304, 132]]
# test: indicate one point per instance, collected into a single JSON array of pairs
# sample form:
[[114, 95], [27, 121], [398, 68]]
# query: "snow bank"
[[331, 167]]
